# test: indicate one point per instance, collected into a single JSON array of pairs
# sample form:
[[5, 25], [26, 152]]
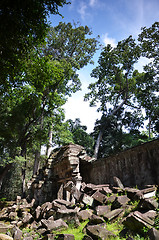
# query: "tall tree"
[[149, 43], [23, 25], [115, 85]]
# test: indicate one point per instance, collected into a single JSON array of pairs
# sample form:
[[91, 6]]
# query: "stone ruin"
[[62, 166], [60, 195]]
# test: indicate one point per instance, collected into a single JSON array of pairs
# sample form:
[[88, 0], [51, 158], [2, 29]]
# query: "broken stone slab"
[[84, 214], [87, 200], [27, 218], [4, 228], [132, 193], [98, 232], [106, 190], [66, 214], [94, 220], [150, 214], [37, 212], [120, 201], [136, 221], [64, 202], [102, 210], [148, 204], [5, 237], [118, 182], [153, 234], [70, 187], [113, 214], [99, 197], [54, 225], [110, 199], [16, 233], [149, 192]]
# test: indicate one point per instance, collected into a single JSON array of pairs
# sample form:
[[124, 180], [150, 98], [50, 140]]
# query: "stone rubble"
[[98, 204]]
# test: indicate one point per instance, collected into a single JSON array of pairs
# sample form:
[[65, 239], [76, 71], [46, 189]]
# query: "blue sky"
[[113, 20]]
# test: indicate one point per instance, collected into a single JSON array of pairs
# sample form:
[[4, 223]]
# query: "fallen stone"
[[87, 200], [149, 192], [102, 210], [136, 221], [148, 204], [98, 232], [106, 190], [132, 193], [113, 214], [16, 233], [37, 212], [118, 182], [54, 225], [150, 214], [84, 215], [4, 228], [99, 197], [27, 218], [120, 201], [153, 234], [94, 219], [70, 187], [5, 237]]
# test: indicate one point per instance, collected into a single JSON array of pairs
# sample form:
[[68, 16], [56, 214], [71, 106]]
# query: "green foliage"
[[80, 136], [18, 39], [122, 91]]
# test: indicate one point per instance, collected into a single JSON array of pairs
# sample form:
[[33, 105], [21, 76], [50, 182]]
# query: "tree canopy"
[[119, 87], [23, 26]]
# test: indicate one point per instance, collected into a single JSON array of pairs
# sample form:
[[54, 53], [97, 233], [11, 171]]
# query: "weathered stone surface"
[[5, 237], [149, 203], [99, 197], [102, 210], [113, 214], [153, 234], [118, 182], [84, 215], [137, 221], [16, 233], [150, 214], [37, 212], [94, 219], [70, 187], [98, 232], [54, 225], [27, 218], [120, 201], [4, 228], [149, 192], [87, 200], [133, 193]]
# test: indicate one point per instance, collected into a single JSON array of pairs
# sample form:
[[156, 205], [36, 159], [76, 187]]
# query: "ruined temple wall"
[[136, 166]]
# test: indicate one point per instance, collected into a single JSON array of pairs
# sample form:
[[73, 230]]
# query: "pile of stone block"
[[136, 209]]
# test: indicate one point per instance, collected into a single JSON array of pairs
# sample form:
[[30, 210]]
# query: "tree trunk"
[[49, 146], [4, 173], [36, 162], [101, 132], [23, 154]]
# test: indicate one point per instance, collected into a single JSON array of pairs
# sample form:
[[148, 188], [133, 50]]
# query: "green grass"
[[77, 232]]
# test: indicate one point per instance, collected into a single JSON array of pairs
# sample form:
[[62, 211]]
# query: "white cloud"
[[82, 10], [77, 108], [92, 3], [108, 40]]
